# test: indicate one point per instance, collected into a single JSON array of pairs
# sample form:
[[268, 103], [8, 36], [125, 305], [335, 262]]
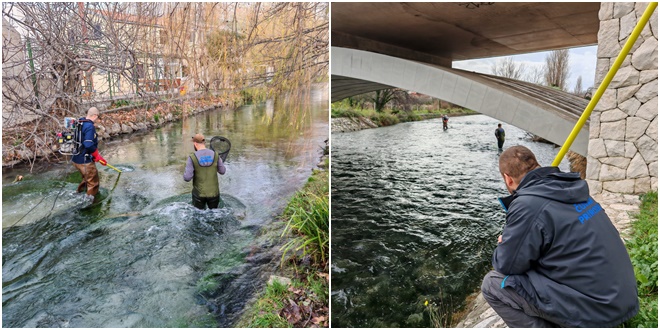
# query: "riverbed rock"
[[351, 124], [126, 129], [116, 129], [282, 280]]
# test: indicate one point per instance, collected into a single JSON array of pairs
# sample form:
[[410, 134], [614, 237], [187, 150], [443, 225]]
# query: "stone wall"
[[623, 139]]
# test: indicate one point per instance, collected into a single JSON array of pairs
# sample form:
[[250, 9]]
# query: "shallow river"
[[415, 217], [143, 256]]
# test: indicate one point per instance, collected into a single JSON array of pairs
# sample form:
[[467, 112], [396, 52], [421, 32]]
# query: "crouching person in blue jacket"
[[559, 261]]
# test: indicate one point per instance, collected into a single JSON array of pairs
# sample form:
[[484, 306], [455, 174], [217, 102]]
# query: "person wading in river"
[[89, 154], [201, 167], [559, 260], [499, 134]]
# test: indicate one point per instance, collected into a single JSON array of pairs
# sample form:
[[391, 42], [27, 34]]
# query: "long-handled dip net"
[[221, 145]]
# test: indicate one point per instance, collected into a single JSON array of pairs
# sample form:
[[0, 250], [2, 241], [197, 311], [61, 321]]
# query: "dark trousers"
[[510, 306], [500, 143], [201, 202]]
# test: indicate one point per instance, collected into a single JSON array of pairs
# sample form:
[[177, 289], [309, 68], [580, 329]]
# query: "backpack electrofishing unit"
[[70, 140]]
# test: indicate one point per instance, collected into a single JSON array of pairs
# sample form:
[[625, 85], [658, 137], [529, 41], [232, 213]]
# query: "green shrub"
[[308, 221], [643, 250], [308, 214], [350, 113], [384, 119], [120, 103], [409, 116]]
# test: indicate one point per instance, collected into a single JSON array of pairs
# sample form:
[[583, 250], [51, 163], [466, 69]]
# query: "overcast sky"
[[582, 63]]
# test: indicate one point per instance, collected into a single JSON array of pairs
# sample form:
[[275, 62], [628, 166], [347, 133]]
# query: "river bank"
[[35, 141], [296, 293], [357, 123]]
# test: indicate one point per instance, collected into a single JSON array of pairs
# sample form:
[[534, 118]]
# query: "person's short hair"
[[517, 161], [499, 125], [93, 111], [198, 138]]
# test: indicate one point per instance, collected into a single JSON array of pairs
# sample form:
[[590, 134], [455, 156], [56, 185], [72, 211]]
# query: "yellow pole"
[[112, 167], [606, 82]]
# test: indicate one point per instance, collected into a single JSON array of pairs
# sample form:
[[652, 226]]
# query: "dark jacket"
[[563, 254], [499, 133], [89, 142]]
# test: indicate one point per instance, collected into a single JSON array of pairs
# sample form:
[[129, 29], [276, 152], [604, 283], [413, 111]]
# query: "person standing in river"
[[89, 154], [559, 261], [499, 134], [201, 167]]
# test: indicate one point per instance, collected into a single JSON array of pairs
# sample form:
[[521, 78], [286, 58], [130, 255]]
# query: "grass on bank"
[[392, 116], [304, 302], [643, 250]]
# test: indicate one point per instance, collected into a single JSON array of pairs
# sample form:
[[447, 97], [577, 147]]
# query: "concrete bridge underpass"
[[546, 112]]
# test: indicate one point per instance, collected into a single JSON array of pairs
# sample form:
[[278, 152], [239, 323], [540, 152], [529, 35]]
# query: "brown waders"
[[90, 178]]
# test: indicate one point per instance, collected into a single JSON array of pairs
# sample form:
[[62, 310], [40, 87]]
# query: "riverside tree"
[[59, 56]]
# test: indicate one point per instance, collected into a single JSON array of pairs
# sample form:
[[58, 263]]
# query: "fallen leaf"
[[318, 319]]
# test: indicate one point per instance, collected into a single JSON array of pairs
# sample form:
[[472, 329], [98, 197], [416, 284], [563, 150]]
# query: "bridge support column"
[[623, 135]]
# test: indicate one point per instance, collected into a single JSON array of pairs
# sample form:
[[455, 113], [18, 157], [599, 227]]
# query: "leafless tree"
[[556, 69], [52, 52], [59, 56], [507, 68], [578, 87], [289, 40], [535, 75]]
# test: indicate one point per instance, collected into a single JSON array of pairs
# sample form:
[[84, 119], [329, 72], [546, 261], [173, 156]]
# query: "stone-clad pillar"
[[623, 134]]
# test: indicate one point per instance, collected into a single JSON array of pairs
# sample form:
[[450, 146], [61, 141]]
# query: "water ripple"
[[414, 217]]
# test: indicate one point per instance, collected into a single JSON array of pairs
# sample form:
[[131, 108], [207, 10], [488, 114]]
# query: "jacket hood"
[[551, 183]]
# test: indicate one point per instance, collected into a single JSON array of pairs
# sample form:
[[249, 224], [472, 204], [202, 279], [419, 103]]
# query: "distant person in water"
[[89, 154], [445, 121], [499, 134], [201, 167]]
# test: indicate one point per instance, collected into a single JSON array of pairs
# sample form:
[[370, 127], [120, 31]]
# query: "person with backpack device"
[[201, 167], [85, 160], [445, 121], [499, 134]]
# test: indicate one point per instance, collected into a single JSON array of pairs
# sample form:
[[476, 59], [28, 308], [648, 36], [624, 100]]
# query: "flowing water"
[[415, 217], [144, 256]]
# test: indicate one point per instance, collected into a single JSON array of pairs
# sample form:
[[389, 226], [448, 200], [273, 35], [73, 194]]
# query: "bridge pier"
[[623, 132]]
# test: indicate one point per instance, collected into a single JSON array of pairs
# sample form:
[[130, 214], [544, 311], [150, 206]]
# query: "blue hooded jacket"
[[89, 142], [562, 253]]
